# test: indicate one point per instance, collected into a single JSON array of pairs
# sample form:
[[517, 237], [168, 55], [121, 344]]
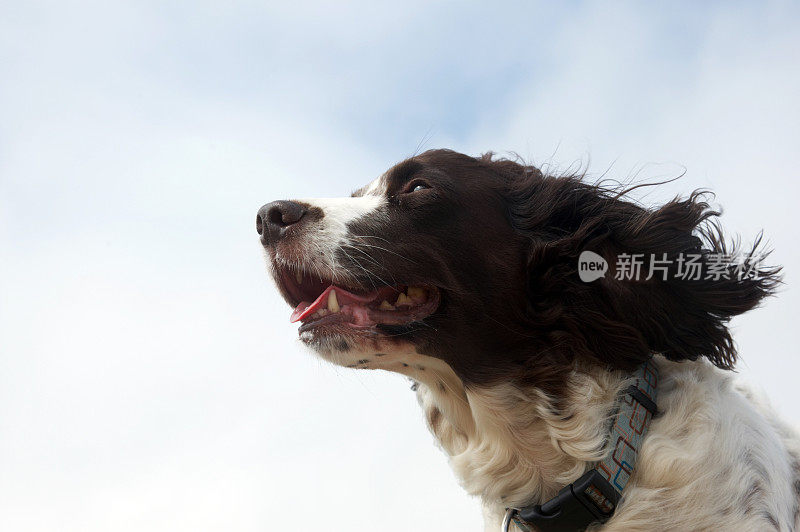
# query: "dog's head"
[[475, 262]]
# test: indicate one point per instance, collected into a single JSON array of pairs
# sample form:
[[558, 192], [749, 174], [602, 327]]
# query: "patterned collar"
[[594, 497]]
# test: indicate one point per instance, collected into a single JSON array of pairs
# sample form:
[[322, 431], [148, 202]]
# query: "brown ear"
[[621, 320], [696, 285]]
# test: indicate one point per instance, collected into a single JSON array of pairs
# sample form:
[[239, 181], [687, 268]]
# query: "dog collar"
[[594, 497]]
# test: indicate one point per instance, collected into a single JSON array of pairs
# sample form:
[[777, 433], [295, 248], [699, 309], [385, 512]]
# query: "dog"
[[469, 276]]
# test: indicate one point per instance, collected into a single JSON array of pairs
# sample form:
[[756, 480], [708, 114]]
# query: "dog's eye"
[[416, 186]]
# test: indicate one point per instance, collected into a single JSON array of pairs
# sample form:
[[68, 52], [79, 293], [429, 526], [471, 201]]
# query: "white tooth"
[[415, 292], [299, 277], [403, 299], [386, 305], [333, 303]]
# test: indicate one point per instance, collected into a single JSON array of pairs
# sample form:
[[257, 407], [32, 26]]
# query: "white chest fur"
[[715, 458]]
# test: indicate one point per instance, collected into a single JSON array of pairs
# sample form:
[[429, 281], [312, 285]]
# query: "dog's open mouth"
[[318, 301]]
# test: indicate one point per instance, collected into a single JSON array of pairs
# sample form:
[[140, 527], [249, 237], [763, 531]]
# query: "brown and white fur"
[[519, 365]]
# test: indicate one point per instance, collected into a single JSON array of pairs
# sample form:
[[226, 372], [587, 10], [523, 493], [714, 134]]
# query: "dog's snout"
[[274, 218]]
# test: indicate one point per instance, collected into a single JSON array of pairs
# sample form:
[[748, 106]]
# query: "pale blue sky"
[[149, 378]]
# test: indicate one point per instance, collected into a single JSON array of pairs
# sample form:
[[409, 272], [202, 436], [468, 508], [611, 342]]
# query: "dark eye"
[[416, 186]]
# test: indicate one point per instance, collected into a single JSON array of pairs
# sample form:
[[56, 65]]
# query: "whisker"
[[373, 246], [367, 272], [372, 260]]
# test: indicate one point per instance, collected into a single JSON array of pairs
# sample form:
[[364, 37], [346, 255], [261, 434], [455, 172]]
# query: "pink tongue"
[[344, 297]]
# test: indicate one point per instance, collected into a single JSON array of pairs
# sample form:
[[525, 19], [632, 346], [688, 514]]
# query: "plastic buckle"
[[572, 509]]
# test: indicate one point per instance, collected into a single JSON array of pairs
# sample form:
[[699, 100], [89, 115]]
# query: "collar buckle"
[[588, 500]]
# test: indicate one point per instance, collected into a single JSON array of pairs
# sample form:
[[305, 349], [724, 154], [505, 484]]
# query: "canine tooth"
[[299, 277], [403, 299], [333, 303], [386, 305], [415, 292]]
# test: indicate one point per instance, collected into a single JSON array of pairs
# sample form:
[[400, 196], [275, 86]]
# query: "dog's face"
[[418, 261], [473, 262]]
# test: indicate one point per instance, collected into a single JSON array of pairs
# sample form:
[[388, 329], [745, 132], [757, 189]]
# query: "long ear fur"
[[622, 322]]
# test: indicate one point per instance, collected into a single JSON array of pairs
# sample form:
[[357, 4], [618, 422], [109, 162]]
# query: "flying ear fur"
[[617, 320]]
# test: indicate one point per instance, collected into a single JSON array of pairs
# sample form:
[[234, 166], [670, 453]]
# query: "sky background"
[[149, 376]]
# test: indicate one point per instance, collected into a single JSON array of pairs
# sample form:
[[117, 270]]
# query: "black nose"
[[274, 218]]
